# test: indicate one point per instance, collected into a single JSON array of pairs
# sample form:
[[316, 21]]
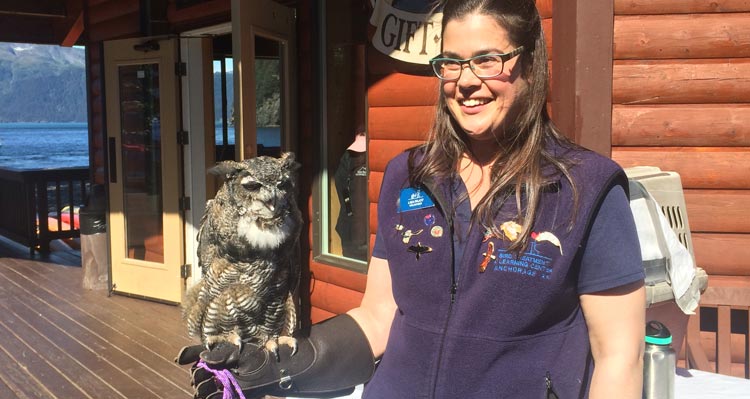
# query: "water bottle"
[[659, 362]]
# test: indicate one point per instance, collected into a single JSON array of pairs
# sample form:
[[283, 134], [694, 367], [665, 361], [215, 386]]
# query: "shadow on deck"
[[58, 340]]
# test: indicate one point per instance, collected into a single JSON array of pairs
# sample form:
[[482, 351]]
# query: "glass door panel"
[[268, 95], [141, 161]]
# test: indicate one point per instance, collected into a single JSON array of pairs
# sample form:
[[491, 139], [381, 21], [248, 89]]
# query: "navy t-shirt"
[[607, 257]]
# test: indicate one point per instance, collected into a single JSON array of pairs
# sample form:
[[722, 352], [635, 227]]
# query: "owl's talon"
[[272, 346], [291, 342]]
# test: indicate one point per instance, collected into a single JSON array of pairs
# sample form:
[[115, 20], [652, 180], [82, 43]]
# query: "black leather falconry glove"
[[334, 359]]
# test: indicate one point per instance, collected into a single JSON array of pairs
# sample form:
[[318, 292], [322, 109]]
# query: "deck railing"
[[34, 204]]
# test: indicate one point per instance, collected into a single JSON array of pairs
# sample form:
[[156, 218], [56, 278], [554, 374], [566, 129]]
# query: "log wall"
[[681, 101]]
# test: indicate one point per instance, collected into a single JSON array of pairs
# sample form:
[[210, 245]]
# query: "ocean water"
[[26, 146], [43, 145]]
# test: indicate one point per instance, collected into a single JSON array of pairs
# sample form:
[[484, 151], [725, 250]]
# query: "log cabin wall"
[[681, 101], [400, 103]]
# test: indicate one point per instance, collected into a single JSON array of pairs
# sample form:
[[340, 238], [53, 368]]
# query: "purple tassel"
[[226, 379]]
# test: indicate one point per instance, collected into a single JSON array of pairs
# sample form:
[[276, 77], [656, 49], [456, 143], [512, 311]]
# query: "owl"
[[247, 250]]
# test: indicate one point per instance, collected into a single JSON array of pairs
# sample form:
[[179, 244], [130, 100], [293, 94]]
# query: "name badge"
[[412, 199]]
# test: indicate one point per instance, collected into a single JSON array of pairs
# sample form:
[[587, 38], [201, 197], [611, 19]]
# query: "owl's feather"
[[247, 249]]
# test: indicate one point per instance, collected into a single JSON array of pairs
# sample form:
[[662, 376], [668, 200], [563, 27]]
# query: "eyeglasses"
[[483, 66]]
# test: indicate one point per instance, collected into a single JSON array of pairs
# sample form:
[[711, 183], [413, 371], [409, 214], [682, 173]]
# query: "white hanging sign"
[[403, 35]]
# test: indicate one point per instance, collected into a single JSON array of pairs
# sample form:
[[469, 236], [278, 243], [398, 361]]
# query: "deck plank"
[[130, 348], [19, 382], [116, 309], [59, 340], [38, 370]]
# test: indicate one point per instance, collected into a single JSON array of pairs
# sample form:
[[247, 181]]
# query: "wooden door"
[[145, 221]]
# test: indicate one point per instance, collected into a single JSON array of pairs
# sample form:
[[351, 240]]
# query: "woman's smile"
[[481, 106]]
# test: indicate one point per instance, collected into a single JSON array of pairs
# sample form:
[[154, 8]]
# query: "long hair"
[[517, 170]]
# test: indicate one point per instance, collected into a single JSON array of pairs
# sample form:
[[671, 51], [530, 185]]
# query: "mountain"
[[40, 83], [267, 94]]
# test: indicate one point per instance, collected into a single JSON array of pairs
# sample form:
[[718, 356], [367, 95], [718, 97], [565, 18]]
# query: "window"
[[223, 110], [342, 232]]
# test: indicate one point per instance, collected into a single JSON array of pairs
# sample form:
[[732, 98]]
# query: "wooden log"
[[698, 125], [545, 8], [373, 190], [623, 7], [399, 90], [699, 167], [373, 217], [382, 151], [722, 254], [718, 211], [400, 123], [681, 81], [317, 314], [201, 10], [110, 10], [332, 298], [682, 36], [337, 276], [547, 31], [118, 28]]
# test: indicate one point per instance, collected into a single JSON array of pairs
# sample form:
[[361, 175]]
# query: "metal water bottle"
[[659, 362]]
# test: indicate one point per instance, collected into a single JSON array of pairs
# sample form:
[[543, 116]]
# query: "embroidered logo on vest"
[[531, 263]]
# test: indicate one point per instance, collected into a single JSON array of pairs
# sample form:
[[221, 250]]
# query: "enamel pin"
[[549, 237], [429, 219], [408, 234], [511, 230], [419, 249], [488, 256], [436, 231]]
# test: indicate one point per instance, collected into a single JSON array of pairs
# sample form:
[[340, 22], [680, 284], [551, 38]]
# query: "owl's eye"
[[251, 184]]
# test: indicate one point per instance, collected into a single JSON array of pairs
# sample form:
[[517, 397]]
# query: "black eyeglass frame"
[[504, 57]]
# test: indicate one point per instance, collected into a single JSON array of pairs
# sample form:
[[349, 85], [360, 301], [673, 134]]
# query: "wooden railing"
[[32, 202]]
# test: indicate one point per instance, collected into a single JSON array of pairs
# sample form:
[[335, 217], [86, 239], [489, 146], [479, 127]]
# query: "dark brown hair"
[[517, 170]]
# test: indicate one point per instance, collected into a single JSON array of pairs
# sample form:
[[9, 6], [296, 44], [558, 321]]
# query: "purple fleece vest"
[[493, 325]]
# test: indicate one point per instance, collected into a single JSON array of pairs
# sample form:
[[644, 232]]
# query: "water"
[[43, 145], [26, 146]]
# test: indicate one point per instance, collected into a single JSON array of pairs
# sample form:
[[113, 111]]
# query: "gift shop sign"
[[404, 35]]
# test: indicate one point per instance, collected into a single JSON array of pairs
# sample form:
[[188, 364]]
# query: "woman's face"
[[481, 106]]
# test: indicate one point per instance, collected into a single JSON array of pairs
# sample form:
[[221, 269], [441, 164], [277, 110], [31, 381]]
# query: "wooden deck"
[[58, 340]]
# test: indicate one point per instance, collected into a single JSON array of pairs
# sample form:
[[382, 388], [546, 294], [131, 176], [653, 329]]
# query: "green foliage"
[[267, 94]]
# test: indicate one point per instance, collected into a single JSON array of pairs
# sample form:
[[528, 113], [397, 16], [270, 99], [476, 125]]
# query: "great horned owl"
[[247, 249]]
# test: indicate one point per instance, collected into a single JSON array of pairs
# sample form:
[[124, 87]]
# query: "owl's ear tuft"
[[288, 161], [226, 168]]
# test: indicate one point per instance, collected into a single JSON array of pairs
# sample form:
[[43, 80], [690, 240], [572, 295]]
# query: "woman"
[[506, 263]]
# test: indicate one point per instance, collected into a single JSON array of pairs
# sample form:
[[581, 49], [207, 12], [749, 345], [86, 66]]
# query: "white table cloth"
[[688, 384]]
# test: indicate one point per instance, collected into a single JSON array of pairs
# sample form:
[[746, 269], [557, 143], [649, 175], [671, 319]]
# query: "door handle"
[[112, 160]]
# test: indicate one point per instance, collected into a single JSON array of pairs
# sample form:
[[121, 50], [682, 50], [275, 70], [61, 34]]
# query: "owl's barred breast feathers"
[[247, 248]]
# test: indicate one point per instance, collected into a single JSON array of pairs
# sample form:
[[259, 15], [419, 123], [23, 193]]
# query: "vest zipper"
[[447, 213], [550, 391], [453, 291]]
